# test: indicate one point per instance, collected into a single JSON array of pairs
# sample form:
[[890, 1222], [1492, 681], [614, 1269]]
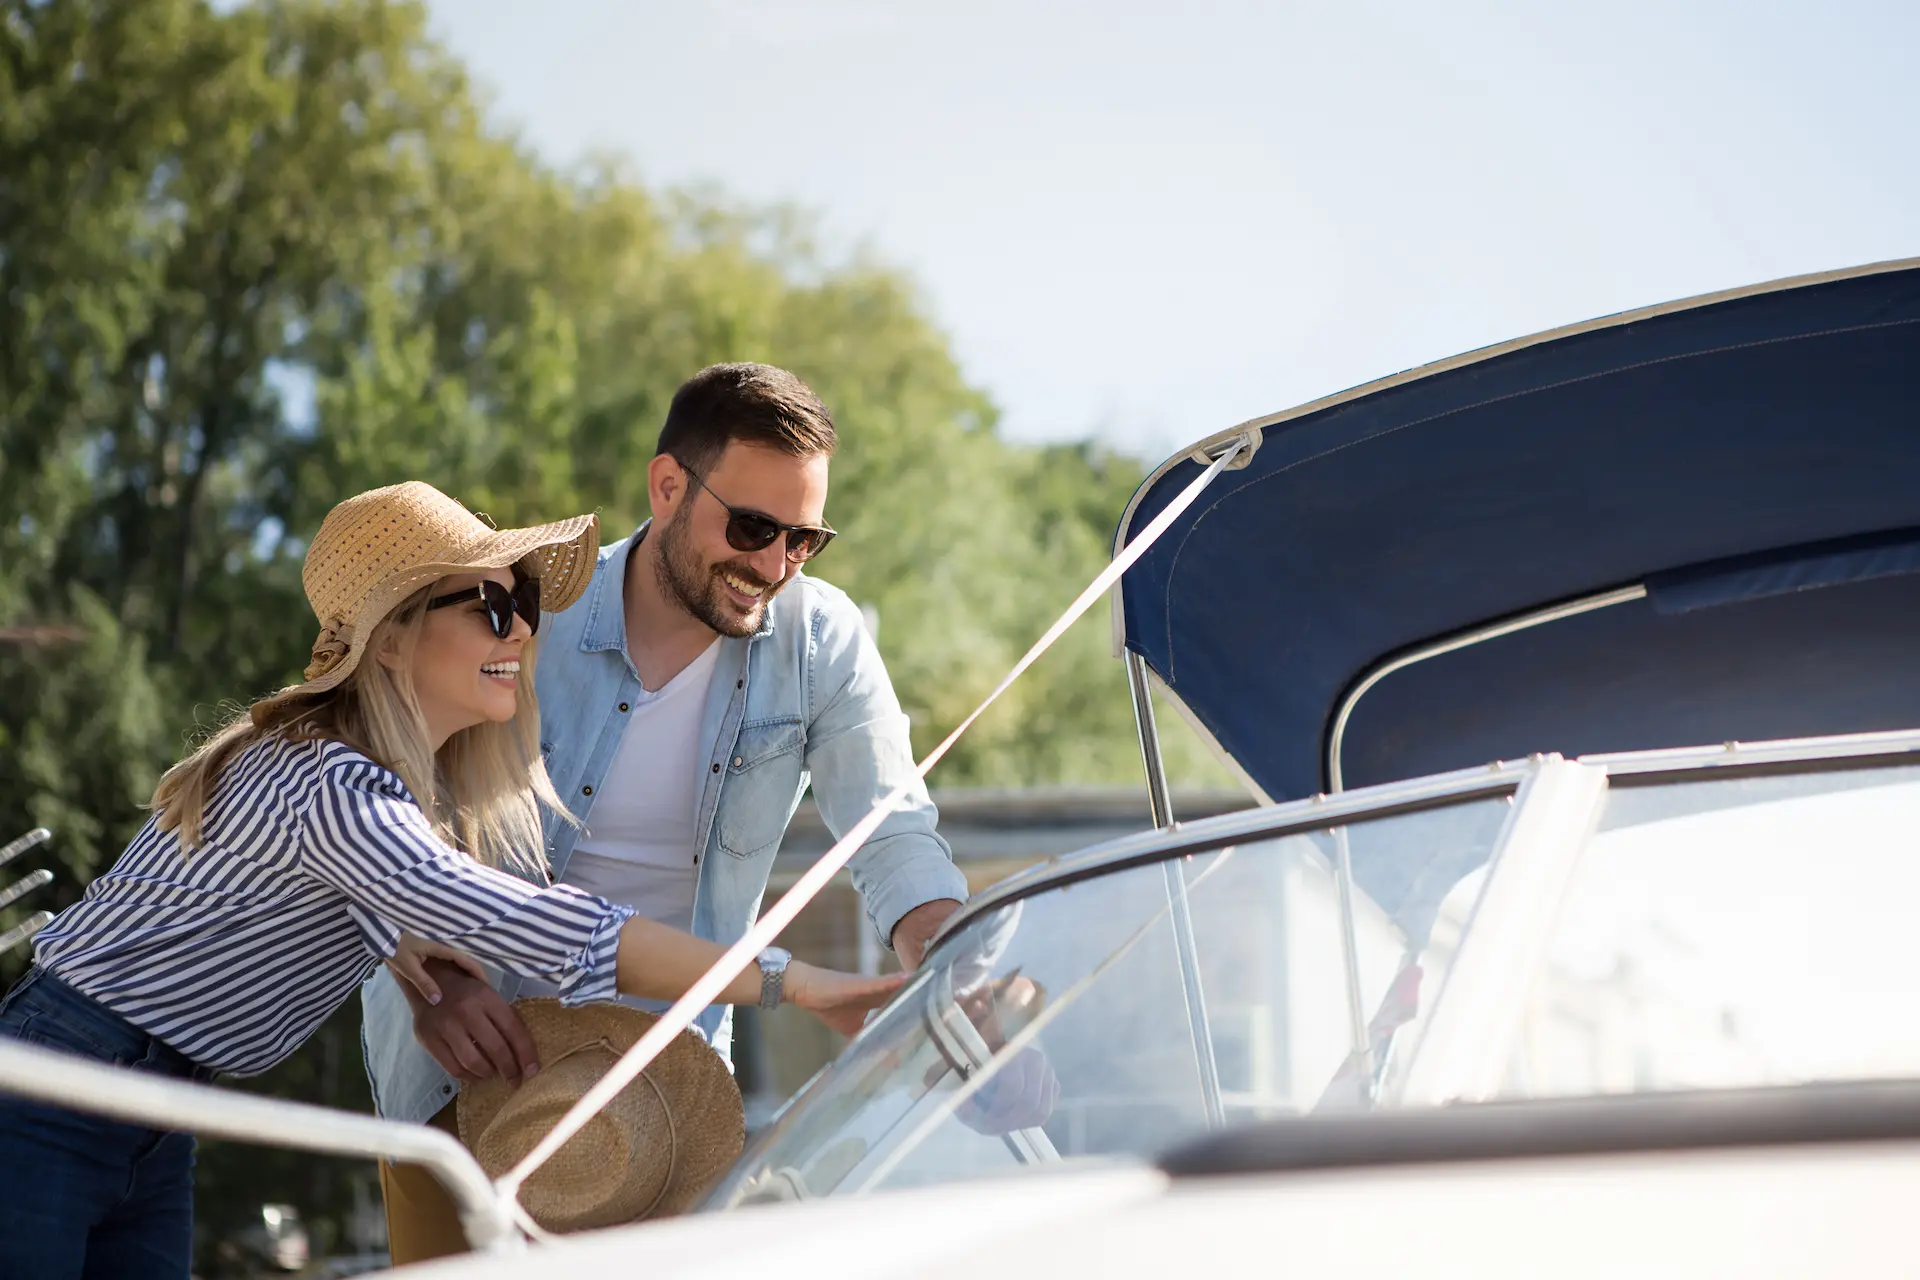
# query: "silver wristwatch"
[[773, 975]]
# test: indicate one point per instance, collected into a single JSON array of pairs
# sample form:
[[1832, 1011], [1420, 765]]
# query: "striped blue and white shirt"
[[314, 859]]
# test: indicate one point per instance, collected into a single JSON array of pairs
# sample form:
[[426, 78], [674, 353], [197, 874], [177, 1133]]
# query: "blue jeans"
[[83, 1197]]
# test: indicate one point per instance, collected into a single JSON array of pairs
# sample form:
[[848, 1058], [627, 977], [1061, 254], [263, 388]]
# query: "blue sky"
[[1147, 222]]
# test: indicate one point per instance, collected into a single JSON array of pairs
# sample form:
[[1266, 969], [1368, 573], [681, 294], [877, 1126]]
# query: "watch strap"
[[773, 978]]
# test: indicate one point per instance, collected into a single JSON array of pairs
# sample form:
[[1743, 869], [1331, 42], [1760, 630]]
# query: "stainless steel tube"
[[1185, 947], [1159, 800], [77, 1084]]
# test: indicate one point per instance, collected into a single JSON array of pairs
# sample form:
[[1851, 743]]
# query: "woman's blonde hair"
[[483, 791]]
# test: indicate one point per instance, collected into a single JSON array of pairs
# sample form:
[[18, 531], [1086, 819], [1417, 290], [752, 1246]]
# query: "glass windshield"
[[1733, 931], [1066, 1025]]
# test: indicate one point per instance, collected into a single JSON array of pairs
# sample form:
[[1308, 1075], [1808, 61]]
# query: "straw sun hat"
[[379, 547], [649, 1153]]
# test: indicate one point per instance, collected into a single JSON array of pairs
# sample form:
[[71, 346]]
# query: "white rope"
[[761, 935]]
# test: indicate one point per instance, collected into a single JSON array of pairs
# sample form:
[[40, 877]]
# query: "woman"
[[292, 853]]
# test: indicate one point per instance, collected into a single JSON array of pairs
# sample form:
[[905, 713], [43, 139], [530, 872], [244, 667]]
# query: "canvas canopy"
[[1752, 459]]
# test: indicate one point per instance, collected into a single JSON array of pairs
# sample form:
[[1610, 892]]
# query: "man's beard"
[[696, 586]]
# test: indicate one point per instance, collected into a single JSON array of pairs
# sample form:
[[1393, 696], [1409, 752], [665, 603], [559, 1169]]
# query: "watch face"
[[776, 957]]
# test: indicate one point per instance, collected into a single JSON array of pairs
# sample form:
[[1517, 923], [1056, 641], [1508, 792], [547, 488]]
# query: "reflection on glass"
[[1057, 1027], [1734, 932]]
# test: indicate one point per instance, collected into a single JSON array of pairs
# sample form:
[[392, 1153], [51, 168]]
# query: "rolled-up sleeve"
[[366, 838], [858, 751]]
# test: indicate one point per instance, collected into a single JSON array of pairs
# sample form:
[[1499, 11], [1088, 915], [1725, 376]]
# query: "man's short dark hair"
[[754, 403]]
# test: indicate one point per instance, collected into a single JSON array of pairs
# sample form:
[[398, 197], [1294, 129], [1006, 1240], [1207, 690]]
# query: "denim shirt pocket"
[[762, 782]]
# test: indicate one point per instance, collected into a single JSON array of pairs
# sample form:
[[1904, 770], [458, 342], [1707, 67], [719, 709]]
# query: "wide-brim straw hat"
[[379, 547], [649, 1153]]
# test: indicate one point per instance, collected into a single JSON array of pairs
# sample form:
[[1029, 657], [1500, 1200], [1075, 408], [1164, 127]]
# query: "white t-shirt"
[[637, 847]]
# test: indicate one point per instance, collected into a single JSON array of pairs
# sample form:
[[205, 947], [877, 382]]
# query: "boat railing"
[[63, 1080], [12, 893]]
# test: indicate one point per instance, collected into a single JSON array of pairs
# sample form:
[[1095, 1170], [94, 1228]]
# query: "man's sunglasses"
[[755, 531], [501, 604]]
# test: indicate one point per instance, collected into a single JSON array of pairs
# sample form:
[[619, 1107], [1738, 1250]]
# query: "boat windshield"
[[1064, 1026], [1733, 931], [1715, 928]]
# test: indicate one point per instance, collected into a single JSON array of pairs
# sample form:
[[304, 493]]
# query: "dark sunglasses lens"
[[498, 602], [805, 544], [526, 602], [749, 532]]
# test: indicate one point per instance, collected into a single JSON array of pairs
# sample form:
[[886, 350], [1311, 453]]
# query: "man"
[[685, 702]]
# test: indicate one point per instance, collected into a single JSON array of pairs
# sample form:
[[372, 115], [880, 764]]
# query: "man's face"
[[728, 590]]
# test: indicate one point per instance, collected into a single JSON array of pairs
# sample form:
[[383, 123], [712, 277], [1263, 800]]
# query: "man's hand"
[[473, 1032], [1023, 1092], [1021, 1095], [1001, 1009], [916, 929]]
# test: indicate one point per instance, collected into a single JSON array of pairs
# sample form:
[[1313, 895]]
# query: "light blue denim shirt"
[[805, 699]]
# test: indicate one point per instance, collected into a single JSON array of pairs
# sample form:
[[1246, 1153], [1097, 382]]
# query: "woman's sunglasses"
[[754, 531], [501, 604]]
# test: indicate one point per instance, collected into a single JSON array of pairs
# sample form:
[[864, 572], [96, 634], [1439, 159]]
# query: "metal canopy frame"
[[1465, 638], [1160, 806], [1239, 451], [1336, 782], [1186, 947], [1151, 611]]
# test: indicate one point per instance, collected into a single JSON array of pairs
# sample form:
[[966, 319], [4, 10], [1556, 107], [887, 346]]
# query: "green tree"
[[255, 259]]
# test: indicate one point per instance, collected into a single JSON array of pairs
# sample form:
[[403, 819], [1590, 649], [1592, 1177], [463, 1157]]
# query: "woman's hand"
[[841, 1000], [409, 960]]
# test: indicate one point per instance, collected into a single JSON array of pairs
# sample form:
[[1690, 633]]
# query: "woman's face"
[[463, 674]]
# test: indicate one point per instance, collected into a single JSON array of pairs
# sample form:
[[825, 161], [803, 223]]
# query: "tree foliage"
[[254, 260]]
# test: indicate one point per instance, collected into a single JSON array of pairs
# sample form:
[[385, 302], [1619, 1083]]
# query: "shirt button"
[[716, 768], [738, 761], [739, 684], [586, 791], [623, 706]]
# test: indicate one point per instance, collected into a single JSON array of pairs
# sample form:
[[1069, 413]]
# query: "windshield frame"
[[1264, 822], [1795, 755], [1556, 806], [1162, 846], [1388, 798], [1515, 779], [1555, 810]]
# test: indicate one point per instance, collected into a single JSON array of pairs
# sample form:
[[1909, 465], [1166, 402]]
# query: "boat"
[[1572, 678]]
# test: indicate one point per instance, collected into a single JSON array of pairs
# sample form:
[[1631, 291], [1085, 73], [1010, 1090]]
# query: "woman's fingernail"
[[533, 1070], [434, 998]]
